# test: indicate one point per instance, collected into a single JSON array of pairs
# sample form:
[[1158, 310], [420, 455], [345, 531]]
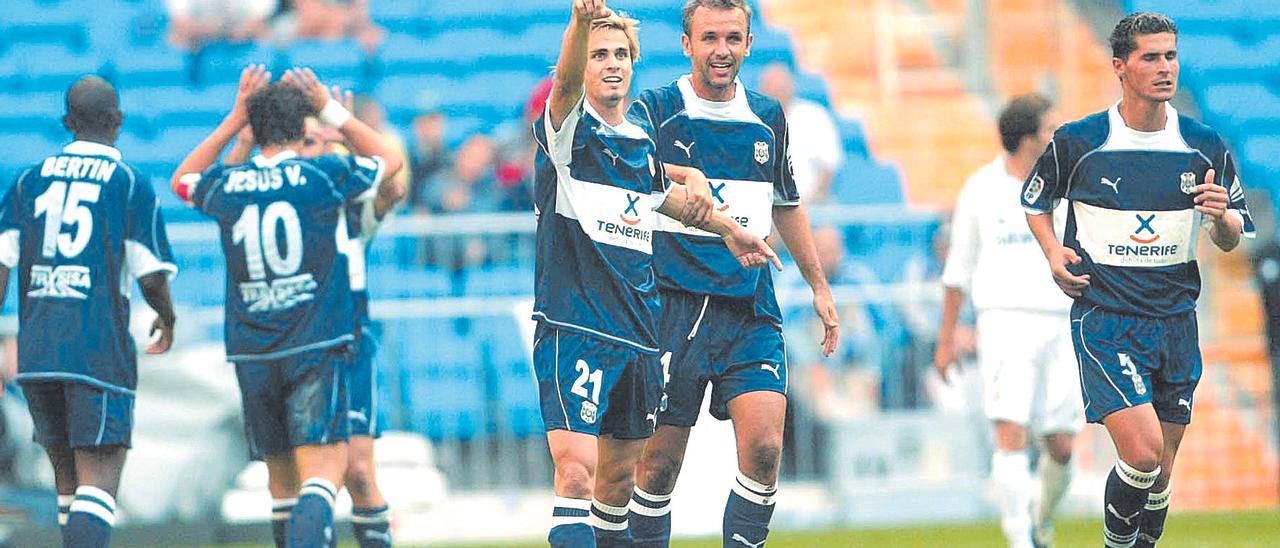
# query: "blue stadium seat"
[[156, 65], [330, 59], [863, 181], [499, 280], [854, 136], [25, 149], [52, 66], [400, 16], [23, 21], [387, 281], [407, 96], [222, 63], [1242, 103], [446, 385], [515, 385]]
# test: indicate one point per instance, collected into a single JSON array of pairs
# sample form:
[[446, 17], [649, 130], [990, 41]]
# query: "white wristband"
[[334, 114]]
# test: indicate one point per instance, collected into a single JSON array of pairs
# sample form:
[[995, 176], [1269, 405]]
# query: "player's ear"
[[685, 43], [1117, 66], [750, 38]]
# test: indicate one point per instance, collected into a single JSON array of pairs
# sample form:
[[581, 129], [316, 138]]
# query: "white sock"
[[1011, 471], [1054, 480]]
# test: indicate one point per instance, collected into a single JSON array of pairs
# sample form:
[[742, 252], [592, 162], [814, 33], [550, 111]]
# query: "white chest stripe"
[[607, 214], [1136, 238], [748, 202]]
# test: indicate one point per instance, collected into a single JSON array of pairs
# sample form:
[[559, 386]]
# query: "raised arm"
[[252, 78], [363, 139], [1211, 200], [566, 88]]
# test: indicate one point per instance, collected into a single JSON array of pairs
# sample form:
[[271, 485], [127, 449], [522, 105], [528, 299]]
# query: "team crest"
[[588, 412], [1033, 190], [1186, 182], [762, 152]]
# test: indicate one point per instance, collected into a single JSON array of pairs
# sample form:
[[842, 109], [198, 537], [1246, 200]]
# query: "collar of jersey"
[[1170, 120], [88, 148], [263, 161], [625, 129], [735, 109]]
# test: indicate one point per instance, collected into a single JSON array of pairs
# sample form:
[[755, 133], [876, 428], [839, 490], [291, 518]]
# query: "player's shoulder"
[[1198, 135], [660, 102], [768, 109], [1090, 131]]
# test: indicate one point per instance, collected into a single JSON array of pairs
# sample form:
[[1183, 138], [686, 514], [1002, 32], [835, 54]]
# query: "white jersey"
[[994, 256]]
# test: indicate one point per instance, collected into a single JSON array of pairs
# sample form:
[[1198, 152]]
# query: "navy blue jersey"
[[1131, 216], [596, 189], [283, 227], [362, 225], [741, 146], [79, 227]]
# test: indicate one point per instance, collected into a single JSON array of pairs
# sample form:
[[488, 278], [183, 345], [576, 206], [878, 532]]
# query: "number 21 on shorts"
[[592, 397]]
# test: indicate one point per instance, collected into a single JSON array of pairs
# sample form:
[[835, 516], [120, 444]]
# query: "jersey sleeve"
[[11, 223], [146, 242], [1230, 178], [196, 188], [560, 143], [784, 180], [962, 255], [354, 178], [1046, 185]]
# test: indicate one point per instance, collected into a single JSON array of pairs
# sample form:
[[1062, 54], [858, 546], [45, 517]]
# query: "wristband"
[[334, 114]]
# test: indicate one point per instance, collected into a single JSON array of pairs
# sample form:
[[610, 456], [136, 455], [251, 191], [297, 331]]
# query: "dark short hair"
[[1020, 118], [278, 114], [1124, 38], [93, 107], [686, 15]]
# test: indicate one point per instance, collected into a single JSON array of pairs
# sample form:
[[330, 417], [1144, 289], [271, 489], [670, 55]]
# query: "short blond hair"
[[621, 21]]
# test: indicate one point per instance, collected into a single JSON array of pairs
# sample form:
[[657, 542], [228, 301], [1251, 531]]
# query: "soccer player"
[[79, 227], [371, 517], [290, 311], [1140, 179], [720, 323], [1029, 380], [597, 186]]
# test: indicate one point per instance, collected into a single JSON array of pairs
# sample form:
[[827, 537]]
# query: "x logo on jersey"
[[631, 205], [715, 193], [1145, 224]]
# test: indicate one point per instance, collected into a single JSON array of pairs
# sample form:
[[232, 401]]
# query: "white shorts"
[[1029, 370]]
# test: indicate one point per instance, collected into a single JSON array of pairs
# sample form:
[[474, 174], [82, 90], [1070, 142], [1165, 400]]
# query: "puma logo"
[[1127, 521], [1107, 182], [1184, 403], [688, 149], [740, 538], [772, 369], [613, 156]]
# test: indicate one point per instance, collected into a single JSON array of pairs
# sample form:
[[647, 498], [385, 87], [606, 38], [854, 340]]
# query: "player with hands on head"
[[78, 227], [1139, 179], [290, 308], [598, 190]]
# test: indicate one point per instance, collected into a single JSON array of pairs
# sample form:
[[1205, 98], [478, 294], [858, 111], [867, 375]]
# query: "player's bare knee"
[[658, 474], [762, 458], [359, 479], [574, 480]]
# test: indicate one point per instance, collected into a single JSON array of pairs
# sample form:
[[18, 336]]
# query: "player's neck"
[[271, 151], [708, 92], [109, 140], [1019, 165], [1143, 115], [613, 112]]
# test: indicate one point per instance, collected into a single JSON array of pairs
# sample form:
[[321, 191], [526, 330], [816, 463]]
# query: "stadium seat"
[[863, 181], [390, 282], [51, 66], [25, 149], [446, 385], [149, 66], [222, 63], [330, 59], [499, 280]]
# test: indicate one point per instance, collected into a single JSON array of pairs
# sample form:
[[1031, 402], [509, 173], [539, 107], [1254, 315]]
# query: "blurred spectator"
[[429, 156], [469, 186], [1266, 269], [371, 113], [193, 23], [334, 19], [814, 143], [847, 384]]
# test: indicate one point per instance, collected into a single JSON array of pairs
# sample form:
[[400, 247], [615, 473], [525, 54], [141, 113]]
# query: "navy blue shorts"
[[77, 415], [362, 386], [719, 341], [1127, 361], [295, 401], [594, 386]]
